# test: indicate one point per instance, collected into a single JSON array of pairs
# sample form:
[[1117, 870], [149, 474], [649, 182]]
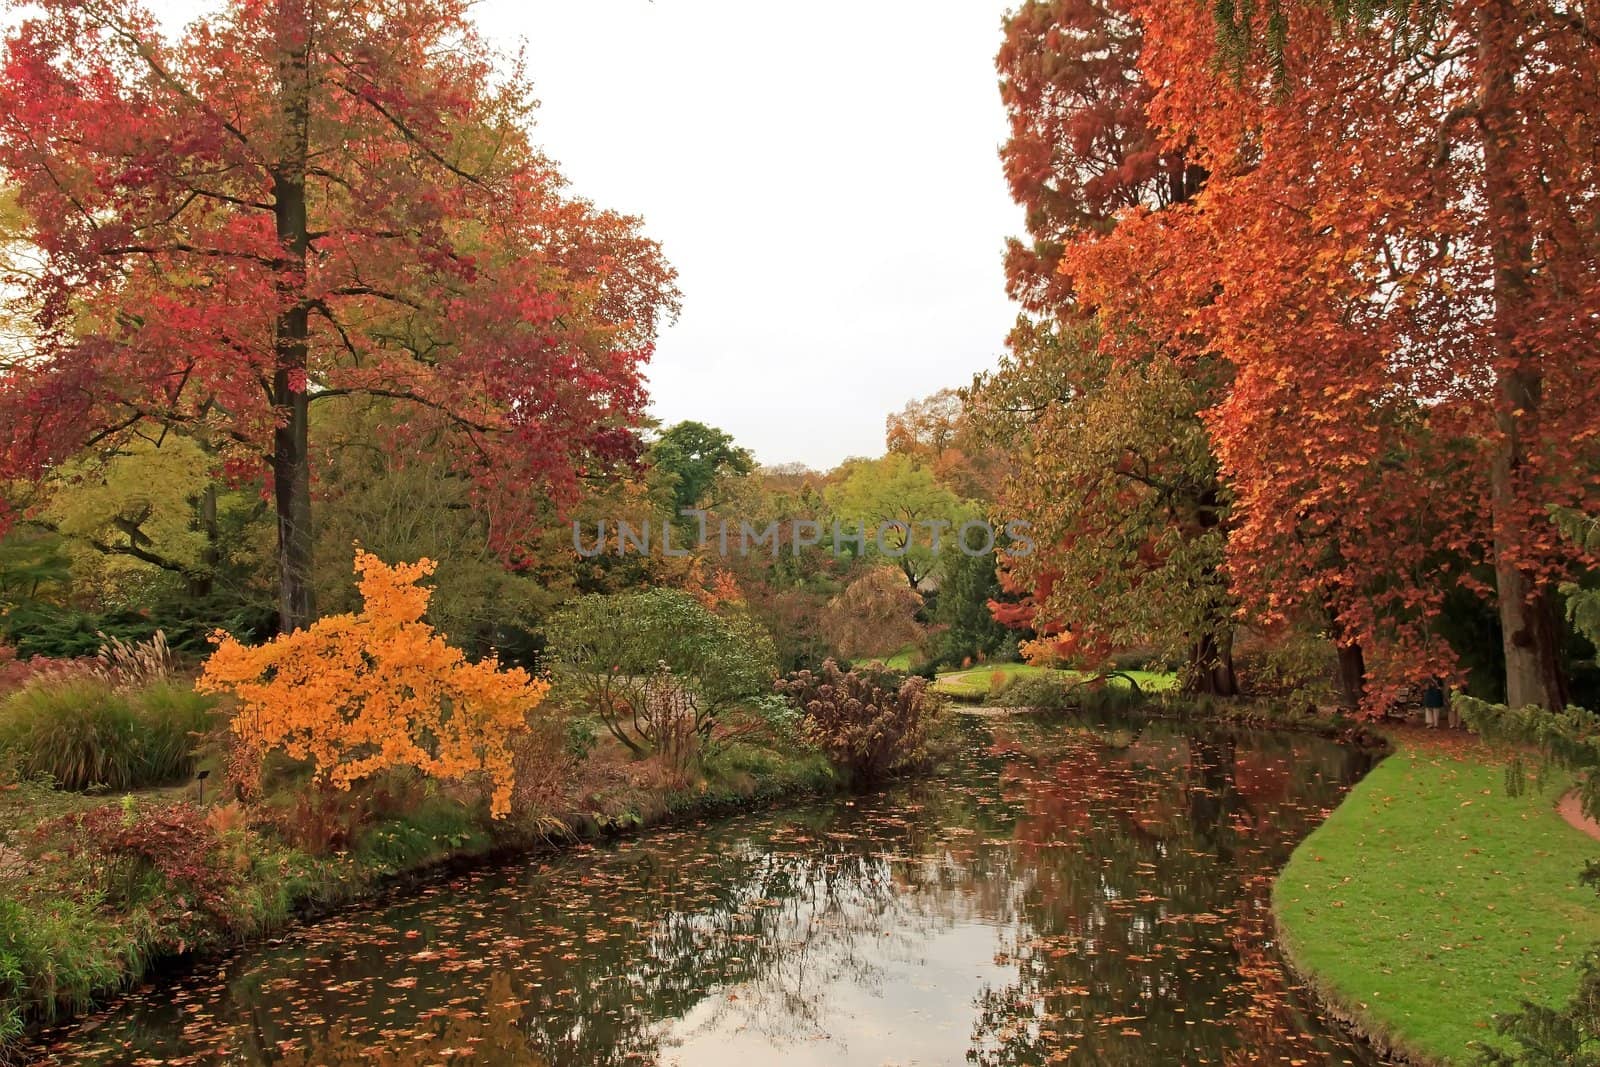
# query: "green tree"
[[697, 457], [960, 608], [413, 508], [904, 514], [656, 665], [1119, 480]]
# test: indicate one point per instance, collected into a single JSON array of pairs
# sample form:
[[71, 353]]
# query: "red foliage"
[[1081, 147], [175, 841], [16, 672], [292, 203], [1397, 251]]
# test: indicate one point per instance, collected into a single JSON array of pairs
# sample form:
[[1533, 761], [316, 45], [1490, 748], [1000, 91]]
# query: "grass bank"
[[994, 679], [1431, 899], [73, 933]]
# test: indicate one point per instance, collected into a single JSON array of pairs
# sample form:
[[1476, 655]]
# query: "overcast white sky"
[[824, 177]]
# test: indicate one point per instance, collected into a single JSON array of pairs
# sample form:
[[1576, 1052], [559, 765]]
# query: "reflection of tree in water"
[[1144, 937], [491, 1037], [1125, 870]]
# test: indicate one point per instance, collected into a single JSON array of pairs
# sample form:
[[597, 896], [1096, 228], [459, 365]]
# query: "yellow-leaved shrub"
[[361, 693]]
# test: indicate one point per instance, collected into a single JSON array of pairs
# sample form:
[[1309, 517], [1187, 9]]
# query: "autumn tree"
[[291, 202], [789, 587], [1397, 252], [1123, 492], [904, 516], [362, 693], [1114, 466], [875, 616], [1081, 147], [939, 432]]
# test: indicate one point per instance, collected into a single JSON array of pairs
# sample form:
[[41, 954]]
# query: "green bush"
[[53, 958], [1057, 691], [79, 731], [658, 668], [38, 629], [1047, 692]]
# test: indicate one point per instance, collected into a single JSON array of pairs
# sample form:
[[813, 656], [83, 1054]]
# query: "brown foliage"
[[868, 725]]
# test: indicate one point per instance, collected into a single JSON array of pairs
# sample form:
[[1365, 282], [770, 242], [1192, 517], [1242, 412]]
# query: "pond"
[[1072, 893]]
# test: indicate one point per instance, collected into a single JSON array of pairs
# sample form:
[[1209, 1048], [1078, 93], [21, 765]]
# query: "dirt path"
[[1571, 808], [1462, 745]]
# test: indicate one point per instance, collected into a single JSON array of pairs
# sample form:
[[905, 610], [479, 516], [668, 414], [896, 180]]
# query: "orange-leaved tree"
[[361, 693], [1396, 250]]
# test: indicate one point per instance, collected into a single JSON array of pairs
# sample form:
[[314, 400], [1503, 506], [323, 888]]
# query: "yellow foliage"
[[360, 693]]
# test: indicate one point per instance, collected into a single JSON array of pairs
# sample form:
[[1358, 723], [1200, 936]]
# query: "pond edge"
[[364, 889]]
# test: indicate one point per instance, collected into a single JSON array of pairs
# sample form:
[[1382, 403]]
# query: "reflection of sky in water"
[[1066, 897], [917, 1011]]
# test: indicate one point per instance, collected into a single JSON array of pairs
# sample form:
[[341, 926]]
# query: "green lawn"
[[901, 661], [1430, 899], [978, 682]]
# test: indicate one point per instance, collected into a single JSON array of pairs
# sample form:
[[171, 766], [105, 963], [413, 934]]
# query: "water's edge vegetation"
[[1073, 864], [424, 854]]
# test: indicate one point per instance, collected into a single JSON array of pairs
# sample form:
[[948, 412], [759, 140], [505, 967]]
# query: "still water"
[[1073, 893]]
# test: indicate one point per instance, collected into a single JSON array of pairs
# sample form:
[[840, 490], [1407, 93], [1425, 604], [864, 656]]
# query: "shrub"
[[14, 670], [81, 732], [1046, 692], [1296, 666], [871, 725], [1136, 659], [317, 820], [546, 758], [50, 957], [17, 670], [359, 694], [1059, 692], [658, 668], [135, 852], [49, 631]]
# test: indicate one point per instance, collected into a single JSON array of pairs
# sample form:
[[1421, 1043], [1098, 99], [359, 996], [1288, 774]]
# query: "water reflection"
[[1073, 895]]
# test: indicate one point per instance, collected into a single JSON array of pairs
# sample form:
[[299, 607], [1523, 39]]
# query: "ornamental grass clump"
[[83, 732]]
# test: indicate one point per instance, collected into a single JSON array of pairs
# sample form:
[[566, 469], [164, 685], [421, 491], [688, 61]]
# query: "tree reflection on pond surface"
[[1071, 894]]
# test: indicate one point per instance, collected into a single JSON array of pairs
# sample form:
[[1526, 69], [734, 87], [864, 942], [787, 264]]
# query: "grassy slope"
[[976, 682], [1431, 900]]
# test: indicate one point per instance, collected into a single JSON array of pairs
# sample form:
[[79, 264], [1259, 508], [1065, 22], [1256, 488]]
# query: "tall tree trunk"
[[203, 581], [1210, 669], [291, 454], [1530, 634], [1352, 677]]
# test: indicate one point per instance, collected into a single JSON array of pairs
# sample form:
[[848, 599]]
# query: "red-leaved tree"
[[293, 201]]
